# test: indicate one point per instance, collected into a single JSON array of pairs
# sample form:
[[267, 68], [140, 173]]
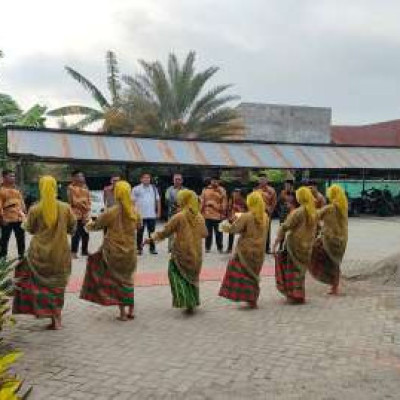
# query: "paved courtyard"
[[331, 348]]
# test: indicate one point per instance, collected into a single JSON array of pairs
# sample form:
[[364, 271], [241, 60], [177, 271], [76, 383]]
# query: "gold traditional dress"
[[293, 261], [241, 280], [41, 278], [330, 246], [109, 272], [188, 230]]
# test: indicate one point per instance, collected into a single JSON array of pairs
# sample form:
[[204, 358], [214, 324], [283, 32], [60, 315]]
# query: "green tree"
[[9, 109], [275, 176], [110, 113], [12, 114], [173, 101]]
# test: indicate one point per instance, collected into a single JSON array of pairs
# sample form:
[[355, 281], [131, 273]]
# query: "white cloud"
[[335, 53]]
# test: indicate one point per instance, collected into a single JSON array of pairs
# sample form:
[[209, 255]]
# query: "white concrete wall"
[[282, 123]]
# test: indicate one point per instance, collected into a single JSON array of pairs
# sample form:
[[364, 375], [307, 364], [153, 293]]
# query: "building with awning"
[[66, 146]]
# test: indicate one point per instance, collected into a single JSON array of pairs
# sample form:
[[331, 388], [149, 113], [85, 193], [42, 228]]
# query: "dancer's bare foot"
[[253, 305], [130, 314], [334, 291], [51, 326], [122, 314], [55, 324], [295, 301]]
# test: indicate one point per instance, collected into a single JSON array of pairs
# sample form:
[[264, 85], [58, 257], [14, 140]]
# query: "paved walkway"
[[329, 349]]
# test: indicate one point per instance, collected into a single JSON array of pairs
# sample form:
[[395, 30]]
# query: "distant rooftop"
[[379, 134]]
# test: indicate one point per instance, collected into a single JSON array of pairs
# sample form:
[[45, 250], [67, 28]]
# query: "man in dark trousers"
[[214, 207], [12, 212], [79, 199]]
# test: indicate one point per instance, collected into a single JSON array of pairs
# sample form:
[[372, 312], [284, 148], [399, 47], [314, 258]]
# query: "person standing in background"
[[214, 204], [270, 200], [148, 204], [79, 200], [236, 205], [12, 212], [320, 200], [171, 199], [287, 193], [108, 192]]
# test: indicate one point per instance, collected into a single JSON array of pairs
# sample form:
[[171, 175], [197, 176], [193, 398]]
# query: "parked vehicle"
[[375, 202]]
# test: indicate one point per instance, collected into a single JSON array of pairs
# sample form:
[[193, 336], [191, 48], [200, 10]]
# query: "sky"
[[343, 54]]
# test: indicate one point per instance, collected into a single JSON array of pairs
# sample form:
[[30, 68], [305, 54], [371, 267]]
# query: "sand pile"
[[386, 271]]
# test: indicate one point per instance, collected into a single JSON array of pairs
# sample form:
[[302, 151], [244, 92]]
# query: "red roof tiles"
[[380, 134]]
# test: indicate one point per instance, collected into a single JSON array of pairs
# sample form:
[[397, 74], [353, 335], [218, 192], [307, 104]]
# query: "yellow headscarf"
[[305, 198], [188, 201], [122, 193], [337, 196], [256, 206], [48, 200]]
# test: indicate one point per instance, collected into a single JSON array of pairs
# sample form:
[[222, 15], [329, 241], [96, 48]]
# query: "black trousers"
[[268, 243], [19, 233], [80, 233], [212, 226], [150, 224], [231, 239]]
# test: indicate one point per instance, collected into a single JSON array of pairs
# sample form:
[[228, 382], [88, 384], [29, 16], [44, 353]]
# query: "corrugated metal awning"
[[58, 145]]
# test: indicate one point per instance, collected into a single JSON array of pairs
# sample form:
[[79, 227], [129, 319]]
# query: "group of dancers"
[[309, 239]]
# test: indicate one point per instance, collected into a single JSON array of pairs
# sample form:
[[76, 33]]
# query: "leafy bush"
[[10, 383]]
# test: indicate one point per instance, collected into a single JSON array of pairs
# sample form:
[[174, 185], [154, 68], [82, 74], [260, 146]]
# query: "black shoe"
[[85, 254], [154, 252], [208, 250], [140, 252]]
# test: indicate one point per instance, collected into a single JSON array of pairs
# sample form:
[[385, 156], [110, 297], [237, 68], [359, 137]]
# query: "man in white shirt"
[[148, 203]]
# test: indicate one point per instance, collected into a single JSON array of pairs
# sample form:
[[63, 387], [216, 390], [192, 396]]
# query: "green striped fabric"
[[184, 294], [101, 287], [31, 297]]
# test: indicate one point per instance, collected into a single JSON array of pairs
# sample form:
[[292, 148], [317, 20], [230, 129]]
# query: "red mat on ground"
[[160, 278]]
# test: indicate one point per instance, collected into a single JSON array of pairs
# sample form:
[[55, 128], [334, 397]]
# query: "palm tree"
[[174, 103], [109, 112]]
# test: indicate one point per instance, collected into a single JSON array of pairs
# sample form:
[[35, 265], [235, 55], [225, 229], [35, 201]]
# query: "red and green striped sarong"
[[238, 284], [322, 268], [290, 278], [184, 293], [101, 287], [32, 297]]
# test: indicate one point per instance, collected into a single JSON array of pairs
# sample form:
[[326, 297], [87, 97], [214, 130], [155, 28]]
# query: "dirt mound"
[[386, 271]]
